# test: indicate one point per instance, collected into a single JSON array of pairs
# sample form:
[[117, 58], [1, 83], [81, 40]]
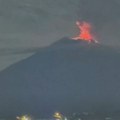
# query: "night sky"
[[27, 25]]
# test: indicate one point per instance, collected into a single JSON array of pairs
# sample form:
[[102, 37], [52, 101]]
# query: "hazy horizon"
[[28, 24]]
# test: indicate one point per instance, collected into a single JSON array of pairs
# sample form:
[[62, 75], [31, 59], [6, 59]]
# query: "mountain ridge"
[[67, 76]]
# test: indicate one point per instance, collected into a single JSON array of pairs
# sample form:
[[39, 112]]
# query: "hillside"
[[67, 76]]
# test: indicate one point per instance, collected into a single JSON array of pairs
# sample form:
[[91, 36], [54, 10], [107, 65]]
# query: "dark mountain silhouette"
[[67, 76]]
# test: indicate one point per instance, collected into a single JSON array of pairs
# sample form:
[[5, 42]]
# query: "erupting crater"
[[85, 32]]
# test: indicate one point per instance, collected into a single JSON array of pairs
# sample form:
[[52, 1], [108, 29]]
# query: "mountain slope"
[[68, 76]]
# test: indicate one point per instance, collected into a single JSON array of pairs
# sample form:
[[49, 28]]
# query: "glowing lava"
[[85, 32]]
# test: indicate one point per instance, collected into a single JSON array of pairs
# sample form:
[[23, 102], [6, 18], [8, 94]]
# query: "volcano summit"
[[85, 33], [68, 76]]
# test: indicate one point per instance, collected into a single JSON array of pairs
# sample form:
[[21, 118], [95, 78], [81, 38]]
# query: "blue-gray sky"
[[26, 25]]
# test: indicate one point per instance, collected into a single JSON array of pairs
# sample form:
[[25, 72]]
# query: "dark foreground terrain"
[[68, 76]]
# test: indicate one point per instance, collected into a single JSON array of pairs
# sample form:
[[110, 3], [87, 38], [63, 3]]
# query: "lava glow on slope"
[[85, 32]]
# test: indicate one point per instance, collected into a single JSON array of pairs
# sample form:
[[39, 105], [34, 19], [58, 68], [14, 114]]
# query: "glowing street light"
[[24, 117]]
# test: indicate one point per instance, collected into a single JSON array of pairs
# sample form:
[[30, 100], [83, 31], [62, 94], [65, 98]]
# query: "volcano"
[[68, 76], [85, 33]]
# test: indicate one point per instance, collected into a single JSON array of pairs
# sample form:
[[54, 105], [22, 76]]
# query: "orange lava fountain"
[[85, 32]]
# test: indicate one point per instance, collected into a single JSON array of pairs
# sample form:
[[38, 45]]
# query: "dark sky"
[[26, 25]]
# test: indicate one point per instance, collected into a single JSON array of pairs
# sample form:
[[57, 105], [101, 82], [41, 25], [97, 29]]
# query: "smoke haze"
[[36, 23]]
